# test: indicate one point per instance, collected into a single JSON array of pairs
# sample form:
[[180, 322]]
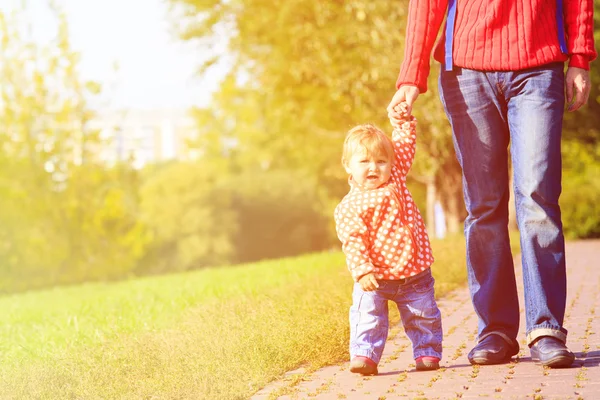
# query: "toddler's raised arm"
[[404, 138]]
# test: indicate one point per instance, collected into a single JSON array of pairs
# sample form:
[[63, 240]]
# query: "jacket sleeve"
[[404, 138], [354, 235], [579, 27], [424, 20]]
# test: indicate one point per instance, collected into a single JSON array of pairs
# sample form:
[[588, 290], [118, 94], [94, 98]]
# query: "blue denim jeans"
[[488, 111], [420, 315]]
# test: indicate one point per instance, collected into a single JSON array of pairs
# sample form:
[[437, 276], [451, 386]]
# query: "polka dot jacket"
[[381, 229]]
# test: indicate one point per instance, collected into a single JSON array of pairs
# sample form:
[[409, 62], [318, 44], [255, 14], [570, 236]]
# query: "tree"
[[582, 125], [65, 218], [188, 211], [581, 158], [302, 73]]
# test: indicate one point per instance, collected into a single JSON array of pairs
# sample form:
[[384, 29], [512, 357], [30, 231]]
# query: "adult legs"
[[474, 105], [535, 113]]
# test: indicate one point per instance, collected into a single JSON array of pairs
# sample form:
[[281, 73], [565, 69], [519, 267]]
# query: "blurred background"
[[156, 136]]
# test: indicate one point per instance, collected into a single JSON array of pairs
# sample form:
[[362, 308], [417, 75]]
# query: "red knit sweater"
[[496, 35]]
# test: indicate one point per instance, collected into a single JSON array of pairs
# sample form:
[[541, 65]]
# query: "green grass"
[[209, 334]]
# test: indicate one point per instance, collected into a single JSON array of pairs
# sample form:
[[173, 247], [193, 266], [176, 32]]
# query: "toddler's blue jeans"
[[421, 317]]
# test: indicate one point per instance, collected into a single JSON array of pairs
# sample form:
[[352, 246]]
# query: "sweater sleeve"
[[579, 26], [404, 138], [354, 235], [424, 20]]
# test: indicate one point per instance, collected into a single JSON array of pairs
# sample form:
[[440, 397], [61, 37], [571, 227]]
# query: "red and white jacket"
[[381, 230]]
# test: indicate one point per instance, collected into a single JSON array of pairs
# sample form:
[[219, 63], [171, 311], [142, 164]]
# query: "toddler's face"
[[369, 170]]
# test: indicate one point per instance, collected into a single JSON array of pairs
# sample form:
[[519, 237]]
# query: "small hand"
[[400, 116], [368, 282], [578, 87], [407, 94]]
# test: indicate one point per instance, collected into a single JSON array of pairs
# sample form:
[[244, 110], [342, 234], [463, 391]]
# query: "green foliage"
[[200, 215], [303, 73], [581, 188], [308, 80], [64, 217], [188, 210], [269, 174], [279, 214], [88, 231], [101, 223], [583, 125]]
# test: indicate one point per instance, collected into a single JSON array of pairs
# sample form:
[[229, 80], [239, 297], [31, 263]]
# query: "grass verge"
[[209, 334]]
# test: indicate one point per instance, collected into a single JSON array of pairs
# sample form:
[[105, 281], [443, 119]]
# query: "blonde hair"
[[369, 138]]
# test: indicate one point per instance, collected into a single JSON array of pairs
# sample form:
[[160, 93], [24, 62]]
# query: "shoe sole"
[[489, 361], [558, 361], [364, 369], [493, 358], [427, 366]]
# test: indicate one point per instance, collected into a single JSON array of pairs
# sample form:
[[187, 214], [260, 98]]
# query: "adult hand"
[[368, 282], [577, 87], [406, 93], [401, 115]]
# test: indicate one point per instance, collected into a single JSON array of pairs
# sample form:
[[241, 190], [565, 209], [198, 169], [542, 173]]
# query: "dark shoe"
[[363, 365], [492, 350], [427, 363], [551, 352]]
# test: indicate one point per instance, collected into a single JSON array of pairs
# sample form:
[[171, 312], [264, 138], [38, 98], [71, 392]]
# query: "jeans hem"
[[427, 353], [536, 333], [365, 353]]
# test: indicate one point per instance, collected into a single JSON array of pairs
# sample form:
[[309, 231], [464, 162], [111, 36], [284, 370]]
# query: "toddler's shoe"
[[363, 365], [427, 363]]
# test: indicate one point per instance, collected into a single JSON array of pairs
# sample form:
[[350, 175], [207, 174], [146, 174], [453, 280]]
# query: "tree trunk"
[[430, 206], [449, 185], [455, 213]]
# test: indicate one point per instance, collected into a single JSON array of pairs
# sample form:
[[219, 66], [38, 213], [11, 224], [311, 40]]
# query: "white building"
[[144, 136]]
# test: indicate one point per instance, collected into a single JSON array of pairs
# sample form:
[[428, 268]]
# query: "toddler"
[[386, 246]]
